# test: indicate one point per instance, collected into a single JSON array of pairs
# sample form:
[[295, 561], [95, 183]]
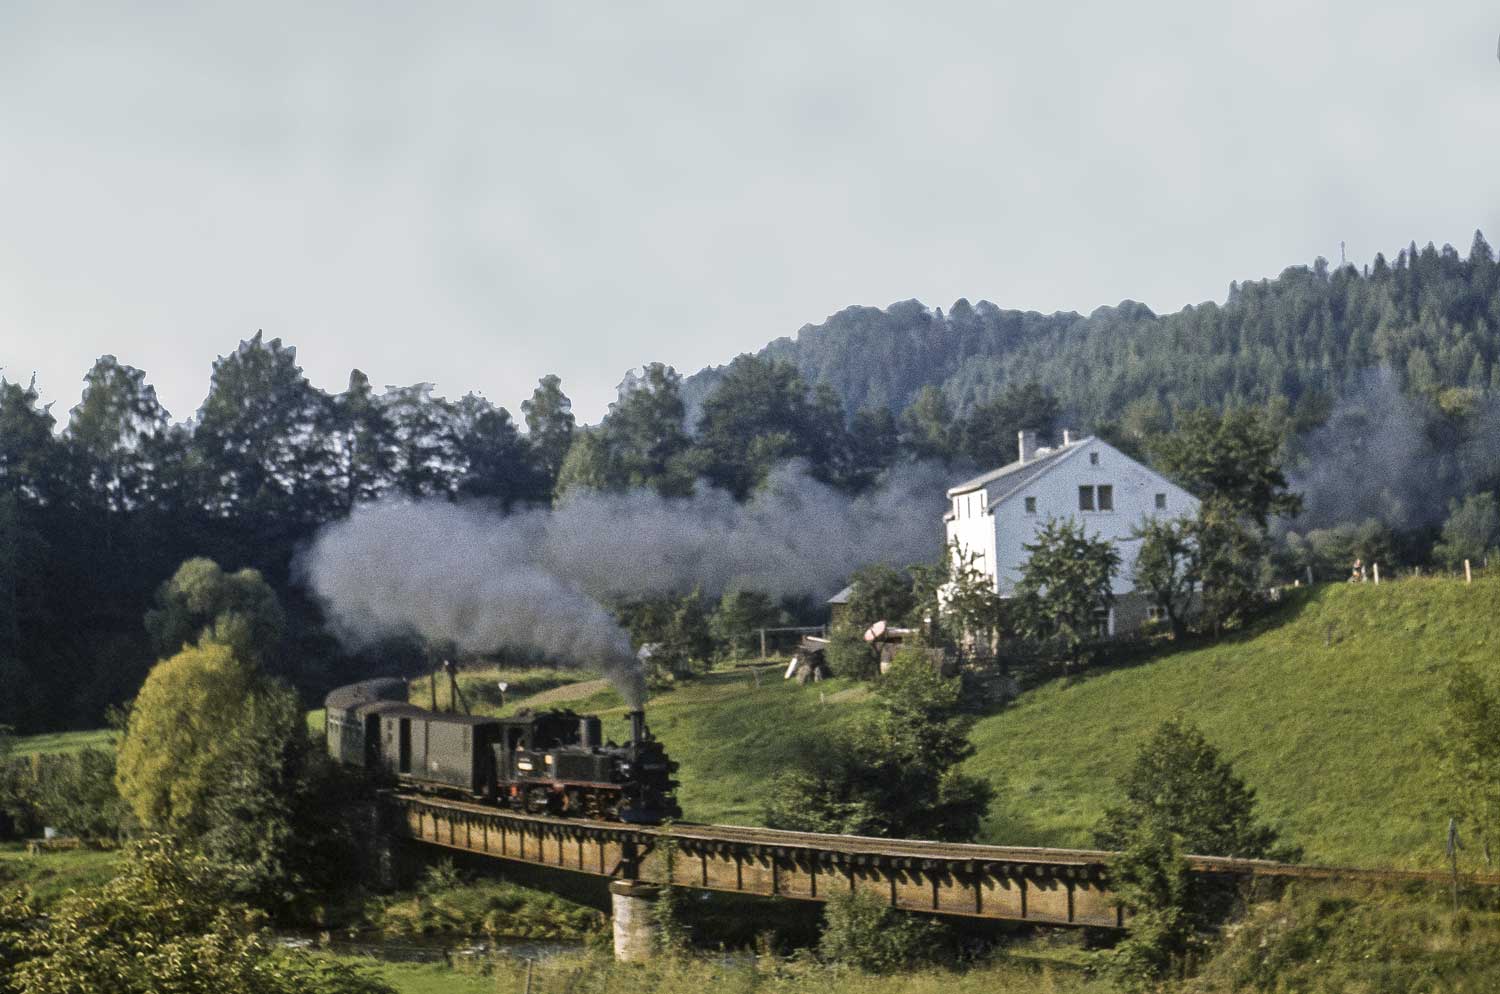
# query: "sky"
[[478, 195]]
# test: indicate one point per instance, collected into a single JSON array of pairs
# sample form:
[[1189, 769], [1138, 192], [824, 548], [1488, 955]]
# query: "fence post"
[[1377, 574], [1468, 575], [762, 645]]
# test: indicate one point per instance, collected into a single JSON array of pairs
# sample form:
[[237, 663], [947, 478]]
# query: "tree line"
[[98, 511]]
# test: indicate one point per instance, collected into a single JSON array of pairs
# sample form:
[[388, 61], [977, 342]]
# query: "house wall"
[[1002, 533], [972, 526]]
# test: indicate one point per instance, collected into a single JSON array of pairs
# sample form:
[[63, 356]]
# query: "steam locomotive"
[[542, 762]]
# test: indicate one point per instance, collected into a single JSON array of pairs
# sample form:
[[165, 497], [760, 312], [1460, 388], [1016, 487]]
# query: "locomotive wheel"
[[538, 800]]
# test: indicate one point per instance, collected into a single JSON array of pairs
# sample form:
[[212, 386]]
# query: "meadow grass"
[[596, 973], [63, 742], [1328, 708], [51, 875]]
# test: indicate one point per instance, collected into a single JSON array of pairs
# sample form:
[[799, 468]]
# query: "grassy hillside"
[[1327, 709]]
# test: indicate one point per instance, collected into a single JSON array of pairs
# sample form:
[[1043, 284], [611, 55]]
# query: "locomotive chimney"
[[637, 727]]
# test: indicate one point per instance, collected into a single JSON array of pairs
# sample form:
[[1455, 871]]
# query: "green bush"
[[76, 795], [849, 655], [72, 792], [168, 922], [862, 931]]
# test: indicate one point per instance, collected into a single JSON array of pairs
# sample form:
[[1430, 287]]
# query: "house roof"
[[842, 597], [1017, 474]]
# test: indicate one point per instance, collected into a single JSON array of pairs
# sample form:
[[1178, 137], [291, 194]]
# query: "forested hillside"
[[1311, 334]]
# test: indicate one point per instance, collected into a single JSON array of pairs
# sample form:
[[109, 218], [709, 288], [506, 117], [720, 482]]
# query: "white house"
[[992, 517]]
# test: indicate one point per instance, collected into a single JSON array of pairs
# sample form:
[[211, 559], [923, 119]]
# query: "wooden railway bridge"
[[1045, 886]]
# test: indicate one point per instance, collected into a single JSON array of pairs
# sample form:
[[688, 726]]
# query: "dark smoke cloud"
[[1373, 459], [539, 580]]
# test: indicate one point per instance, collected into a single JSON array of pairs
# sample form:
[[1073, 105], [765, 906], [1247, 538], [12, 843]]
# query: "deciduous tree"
[[1066, 582], [550, 425], [1232, 458], [1167, 567]]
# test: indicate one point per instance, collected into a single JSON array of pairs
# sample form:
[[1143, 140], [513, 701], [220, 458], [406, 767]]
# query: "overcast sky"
[[477, 196]]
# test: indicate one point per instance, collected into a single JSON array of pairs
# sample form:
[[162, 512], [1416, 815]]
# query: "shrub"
[[849, 655], [168, 922], [1180, 784], [76, 795], [862, 931]]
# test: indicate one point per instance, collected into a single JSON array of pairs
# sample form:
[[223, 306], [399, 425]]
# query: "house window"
[[1093, 458], [1100, 498], [1155, 612], [1161, 502], [1030, 505], [1104, 622]]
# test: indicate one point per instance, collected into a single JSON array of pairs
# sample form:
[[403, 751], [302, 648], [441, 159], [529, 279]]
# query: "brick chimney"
[[1027, 439]]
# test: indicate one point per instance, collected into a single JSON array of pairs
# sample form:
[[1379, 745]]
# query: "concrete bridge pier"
[[633, 907]]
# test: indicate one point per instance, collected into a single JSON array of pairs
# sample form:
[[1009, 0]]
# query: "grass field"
[[50, 875], [1328, 709], [597, 974]]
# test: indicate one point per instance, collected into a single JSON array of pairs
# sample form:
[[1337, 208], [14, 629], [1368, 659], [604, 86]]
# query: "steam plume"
[[538, 580]]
